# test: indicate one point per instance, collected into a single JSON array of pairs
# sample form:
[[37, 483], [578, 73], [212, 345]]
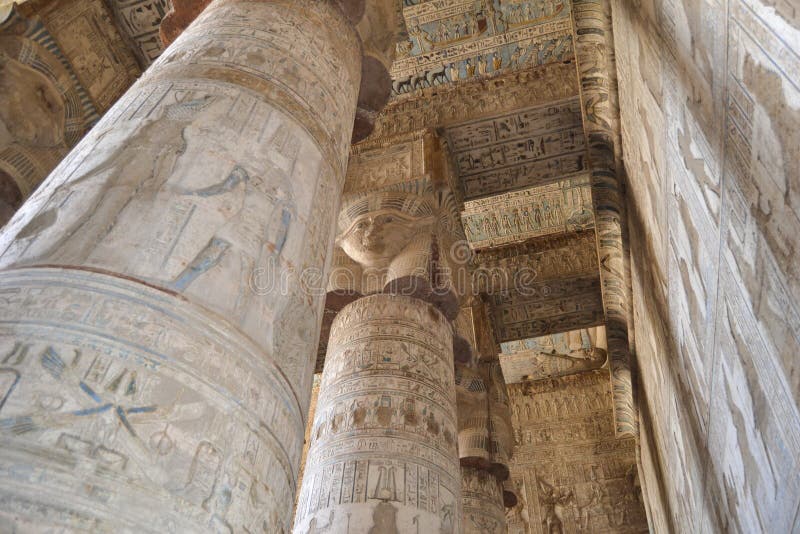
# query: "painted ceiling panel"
[[452, 40]]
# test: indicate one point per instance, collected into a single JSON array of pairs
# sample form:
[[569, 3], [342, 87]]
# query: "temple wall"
[[710, 109], [570, 472]]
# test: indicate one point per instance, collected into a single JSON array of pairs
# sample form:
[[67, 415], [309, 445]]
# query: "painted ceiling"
[[456, 40]]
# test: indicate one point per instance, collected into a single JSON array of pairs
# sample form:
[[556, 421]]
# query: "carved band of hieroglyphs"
[[571, 473], [140, 20], [597, 70], [451, 41], [455, 103], [482, 496], [383, 444], [547, 308], [269, 60], [107, 378], [530, 147], [560, 207]]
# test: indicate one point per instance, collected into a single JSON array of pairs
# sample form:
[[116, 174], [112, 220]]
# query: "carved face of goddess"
[[376, 238]]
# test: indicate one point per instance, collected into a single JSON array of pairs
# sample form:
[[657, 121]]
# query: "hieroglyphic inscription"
[[458, 41], [547, 258], [128, 405], [104, 64], [383, 444], [181, 334], [554, 355], [571, 472], [482, 496], [561, 207], [543, 308], [455, 103], [530, 147], [140, 20]]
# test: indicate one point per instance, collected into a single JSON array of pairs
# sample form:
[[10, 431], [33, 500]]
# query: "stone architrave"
[[383, 454], [594, 50], [156, 326]]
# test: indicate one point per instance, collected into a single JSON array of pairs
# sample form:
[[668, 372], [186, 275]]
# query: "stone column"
[[157, 321], [485, 446], [485, 436], [482, 497], [383, 455]]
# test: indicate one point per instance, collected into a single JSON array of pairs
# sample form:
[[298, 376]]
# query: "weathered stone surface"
[[557, 208], [538, 309], [91, 42], [383, 454], [461, 40], [139, 21], [554, 355], [528, 147], [482, 496], [709, 99], [594, 52], [155, 376], [571, 472]]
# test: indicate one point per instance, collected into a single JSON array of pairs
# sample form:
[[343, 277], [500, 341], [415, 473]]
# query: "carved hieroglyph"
[[157, 372], [464, 39], [538, 309], [482, 496], [532, 146], [383, 454], [554, 355], [560, 207], [140, 20], [571, 472], [594, 47]]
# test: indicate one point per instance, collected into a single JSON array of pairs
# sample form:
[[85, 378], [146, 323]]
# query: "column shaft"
[[482, 495], [157, 330], [383, 456]]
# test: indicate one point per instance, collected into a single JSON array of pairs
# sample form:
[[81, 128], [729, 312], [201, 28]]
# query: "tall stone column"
[[157, 328], [482, 495], [485, 435], [383, 454]]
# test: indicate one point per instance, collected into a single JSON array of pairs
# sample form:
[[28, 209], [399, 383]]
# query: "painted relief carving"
[[529, 147], [461, 40], [546, 308], [554, 355], [572, 473], [90, 41], [483, 502], [164, 356], [399, 242], [561, 207], [383, 454], [139, 20]]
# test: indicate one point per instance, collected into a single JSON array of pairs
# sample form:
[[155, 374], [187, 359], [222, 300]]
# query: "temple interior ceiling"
[[486, 105], [455, 40], [553, 355], [139, 21]]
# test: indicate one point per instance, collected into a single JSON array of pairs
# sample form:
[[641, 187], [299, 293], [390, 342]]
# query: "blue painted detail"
[[89, 391], [124, 420], [53, 363], [205, 260], [141, 409], [92, 411]]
